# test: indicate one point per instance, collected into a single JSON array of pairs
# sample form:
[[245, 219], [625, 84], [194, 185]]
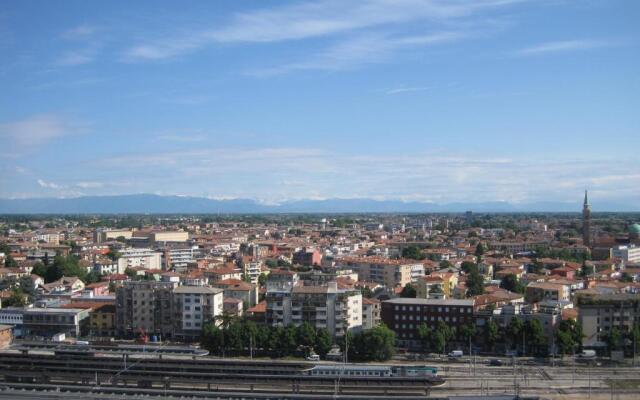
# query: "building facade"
[[599, 314], [195, 306], [405, 315], [145, 306]]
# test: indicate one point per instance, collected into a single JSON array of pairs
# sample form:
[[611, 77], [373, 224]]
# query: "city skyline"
[[426, 101]]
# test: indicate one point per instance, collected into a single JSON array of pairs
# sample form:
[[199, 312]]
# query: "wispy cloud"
[[360, 50], [311, 20], [407, 89], [39, 129], [75, 57], [79, 32], [563, 46], [48, 185], [187, 138], [278, 174]]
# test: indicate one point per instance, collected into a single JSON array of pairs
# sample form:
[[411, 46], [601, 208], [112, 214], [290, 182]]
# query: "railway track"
[[198, 375]]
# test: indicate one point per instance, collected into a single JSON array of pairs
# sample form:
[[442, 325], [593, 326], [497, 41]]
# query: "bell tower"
[[586, 221]]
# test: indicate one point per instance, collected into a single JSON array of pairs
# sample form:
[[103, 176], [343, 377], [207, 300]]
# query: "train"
[[351, 370]]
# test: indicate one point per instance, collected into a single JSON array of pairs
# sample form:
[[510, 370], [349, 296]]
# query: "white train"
[[371, 370]]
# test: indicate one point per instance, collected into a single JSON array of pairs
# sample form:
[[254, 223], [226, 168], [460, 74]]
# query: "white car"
[[456, 353], [313, 357]]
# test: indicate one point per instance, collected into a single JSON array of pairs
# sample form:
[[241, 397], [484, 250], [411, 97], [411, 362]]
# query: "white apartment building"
[[327, 307], [179, 258], [195, 306], [627, 253], [144, 258], [253, 271]]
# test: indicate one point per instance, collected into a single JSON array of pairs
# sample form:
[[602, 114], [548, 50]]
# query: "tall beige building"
[[145, 305]]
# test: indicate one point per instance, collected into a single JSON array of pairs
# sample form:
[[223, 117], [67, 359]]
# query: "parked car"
[[456, 353], [313, 357], [496, 363]]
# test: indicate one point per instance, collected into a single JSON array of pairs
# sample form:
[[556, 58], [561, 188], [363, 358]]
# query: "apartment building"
[[370, 313], [145, 305], [179, 258], [142, 258], [327, 307], [598, 314], [168, 237], [627, 253], [390, 273], [195, 306], [278, 297], [102, 321], [307, 256], [539, 291], [47, 322], [105, 235], [239, 289], [404, 316]]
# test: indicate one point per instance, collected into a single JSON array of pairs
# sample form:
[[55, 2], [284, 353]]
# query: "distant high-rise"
[[586, 221]]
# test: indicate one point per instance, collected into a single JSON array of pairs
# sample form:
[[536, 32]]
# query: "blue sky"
[[436, 101]]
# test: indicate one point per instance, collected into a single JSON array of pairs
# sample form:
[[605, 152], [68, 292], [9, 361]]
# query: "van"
[[456, 353], [313, 357], [587, 354]]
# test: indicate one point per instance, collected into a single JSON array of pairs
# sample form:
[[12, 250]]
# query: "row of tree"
[[52, 270], [229, 335], [233, 336]]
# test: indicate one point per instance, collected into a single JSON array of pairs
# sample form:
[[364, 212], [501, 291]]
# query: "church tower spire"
[[586, 221]]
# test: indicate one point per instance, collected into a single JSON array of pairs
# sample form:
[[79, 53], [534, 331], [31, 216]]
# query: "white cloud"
[[277, 174], [563, 46], [359, 50], [48, 185], [312, 20], [407, 89], [38, 129], [89, 185], [79, 32]]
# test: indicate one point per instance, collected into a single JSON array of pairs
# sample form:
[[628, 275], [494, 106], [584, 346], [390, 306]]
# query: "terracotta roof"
[[258, 308]]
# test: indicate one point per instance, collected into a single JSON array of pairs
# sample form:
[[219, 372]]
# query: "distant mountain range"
[[152, 204]]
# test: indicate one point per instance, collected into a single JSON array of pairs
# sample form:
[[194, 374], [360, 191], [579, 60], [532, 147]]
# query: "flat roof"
[[197, 290], [430, 302]]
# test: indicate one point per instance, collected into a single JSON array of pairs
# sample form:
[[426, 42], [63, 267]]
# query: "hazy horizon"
[[412, 100]]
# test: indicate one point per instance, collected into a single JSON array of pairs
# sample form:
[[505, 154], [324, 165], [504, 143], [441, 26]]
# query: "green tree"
[[39, 269], [512, 283], [625, 277], [113, 254], [535, 338], [491, 334], [408, 291], [424, 334], [479, 250], [323, 342], [262, 279], [568, 337], [377, 344], [17, 299], [287, 342], [475, 284], [468, 266], [271, 263], [468, 332], [212, 338], [412, 252], [515, 330], [9, 262], [438, 342], [27, 286], [613, 339], [306, 334]]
